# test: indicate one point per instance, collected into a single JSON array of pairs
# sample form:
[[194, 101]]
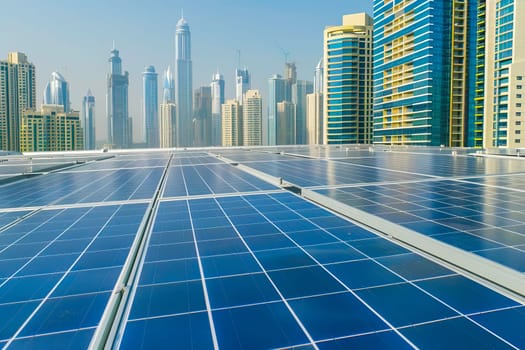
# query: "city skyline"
[[81, 54]]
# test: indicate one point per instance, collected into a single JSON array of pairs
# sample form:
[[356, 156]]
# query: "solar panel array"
[[207, 255]]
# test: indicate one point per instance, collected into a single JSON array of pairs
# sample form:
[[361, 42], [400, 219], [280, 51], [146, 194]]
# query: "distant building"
[[88, 121], [285, 123], [242, 83], [202, 122], [314, 117], [57, 92], [290, 77], [183, 83], [232, 123], [150, 107], [300, 90], [168, 113], [504, 57], [119, 122], [276, 94], [51, 129], [319, 76], [252, 118], [348, 81], [17, 94], [217, 99]]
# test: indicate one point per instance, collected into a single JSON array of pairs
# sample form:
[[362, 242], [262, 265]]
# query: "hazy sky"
[[75, 37]]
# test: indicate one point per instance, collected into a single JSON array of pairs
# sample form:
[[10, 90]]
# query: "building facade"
[[424, 72], [276, 94], [252, 119], [150, 107], [314, 118], [202, 117], [57, 92], [348, 90], [505, 74], [119, 122], [217, 99], [17, 94], [300, 90], [51, 129], [286, 123], [88, 121], [183, 83], [232, 126]]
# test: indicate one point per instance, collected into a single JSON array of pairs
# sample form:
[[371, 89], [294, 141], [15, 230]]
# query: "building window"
[[519, 77], [517, 132], [518, 123], [517, 141], [518, 96], [518, 114], [519, 87], [518, 105]]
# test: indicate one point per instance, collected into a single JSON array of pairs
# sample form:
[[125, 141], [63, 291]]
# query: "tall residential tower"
[[168, 113], [17, 94], [183, 82], [348, 81]]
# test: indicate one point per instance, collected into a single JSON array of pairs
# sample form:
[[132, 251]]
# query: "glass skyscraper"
[[217, 99], [57, 92], [119, 122], [276, 94], [88, 121], [168, 113], [183, 82], [150, 109], [348, 81], [424, 71], [242, 83]]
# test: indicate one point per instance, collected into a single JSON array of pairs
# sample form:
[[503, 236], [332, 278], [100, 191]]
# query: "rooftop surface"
[[304, 247]]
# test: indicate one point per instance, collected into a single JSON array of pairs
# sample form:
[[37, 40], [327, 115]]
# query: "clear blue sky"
[[75, 37]]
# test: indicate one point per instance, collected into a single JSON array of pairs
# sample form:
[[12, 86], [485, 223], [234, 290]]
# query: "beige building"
[[168, 125], [504, 122], [51, 129], [252, 118], [232, 123], [314, 118], [17, 94], [286, 123]]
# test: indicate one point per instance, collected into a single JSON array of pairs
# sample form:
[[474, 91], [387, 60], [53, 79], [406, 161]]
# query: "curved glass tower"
[[150, 108], [183, 82], [57, 92]]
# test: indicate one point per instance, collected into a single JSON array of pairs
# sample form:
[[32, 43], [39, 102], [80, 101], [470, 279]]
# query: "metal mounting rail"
[[111, 323]]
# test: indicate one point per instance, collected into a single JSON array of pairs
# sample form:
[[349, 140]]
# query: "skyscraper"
[[17, 94], [183, 82], [57, 92], [217, 99], [348, 81], [475, 138], [319, 76], [252, 118], [150, 109], [276, 94], [300, 90], [424, 71], [290, 77], [314, 110], [119, 122], [505, 84], [232, 123], [88, 121], [202, 105], [168, 113], [242, 83]]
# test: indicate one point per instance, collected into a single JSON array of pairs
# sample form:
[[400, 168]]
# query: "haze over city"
[[75, 38]]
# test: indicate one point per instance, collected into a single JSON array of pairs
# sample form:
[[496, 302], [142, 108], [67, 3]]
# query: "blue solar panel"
[[295, 285]]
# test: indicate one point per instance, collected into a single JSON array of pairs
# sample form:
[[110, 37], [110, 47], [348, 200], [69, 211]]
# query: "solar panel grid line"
[[489, 271], [118, 306], [240, 179], [283, 299], [48, 295], [348, 289]]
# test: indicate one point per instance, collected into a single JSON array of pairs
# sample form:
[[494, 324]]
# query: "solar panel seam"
[[118, 307]]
